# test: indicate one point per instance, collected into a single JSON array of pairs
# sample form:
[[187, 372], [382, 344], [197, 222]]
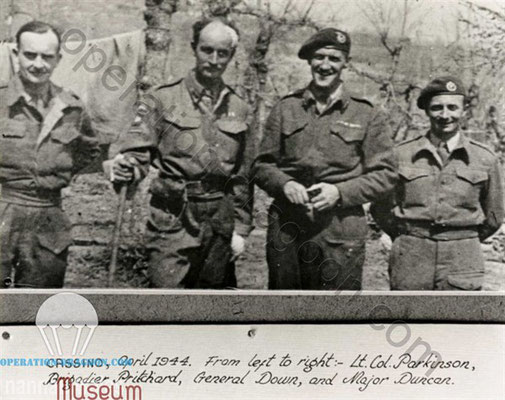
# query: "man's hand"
[[296, 192], [237, 246], [327, 198], [124, 169]]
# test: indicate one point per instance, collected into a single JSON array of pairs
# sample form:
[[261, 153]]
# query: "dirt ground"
[[90, 203]]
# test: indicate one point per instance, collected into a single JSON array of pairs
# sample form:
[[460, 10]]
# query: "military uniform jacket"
[[39, 153], [465, 192], [187, 140], [349, 145]]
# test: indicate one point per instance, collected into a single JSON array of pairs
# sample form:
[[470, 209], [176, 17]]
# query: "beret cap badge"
[[438, 86], [451, 86], [340, 37], [333, 37]]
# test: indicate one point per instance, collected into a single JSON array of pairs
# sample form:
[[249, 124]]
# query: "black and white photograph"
[[333, 165]]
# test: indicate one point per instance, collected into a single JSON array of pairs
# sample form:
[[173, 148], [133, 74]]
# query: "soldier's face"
[[213, 51], [445, 113], [326, 65], [38, 55]]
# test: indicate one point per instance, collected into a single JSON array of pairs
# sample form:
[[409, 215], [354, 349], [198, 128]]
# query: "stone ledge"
[[146, 306]]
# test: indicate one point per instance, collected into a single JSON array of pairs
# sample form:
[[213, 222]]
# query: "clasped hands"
[[328, 197]]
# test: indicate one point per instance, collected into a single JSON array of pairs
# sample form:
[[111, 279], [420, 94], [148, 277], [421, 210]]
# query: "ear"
[[15, 51], [193, 46]]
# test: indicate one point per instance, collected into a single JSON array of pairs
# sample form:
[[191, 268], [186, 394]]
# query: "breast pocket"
[[14, 146], [416, 185], [180, 135], [11, 129], [295, 143], [346, 140], [467, 188], [231, 134]]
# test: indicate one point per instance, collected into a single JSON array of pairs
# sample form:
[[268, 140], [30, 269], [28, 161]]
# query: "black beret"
[[325, 37], [442, 85]]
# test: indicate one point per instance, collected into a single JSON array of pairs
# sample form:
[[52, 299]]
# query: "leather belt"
[[30, 198], [437, 231], [205, 188]]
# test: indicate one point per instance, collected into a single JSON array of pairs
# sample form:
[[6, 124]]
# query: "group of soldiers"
[[324, 154]]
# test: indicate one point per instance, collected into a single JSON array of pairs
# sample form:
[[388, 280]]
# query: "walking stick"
[[117, 233]]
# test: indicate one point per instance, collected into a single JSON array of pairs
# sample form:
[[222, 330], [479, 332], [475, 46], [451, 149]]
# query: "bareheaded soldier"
[[449, 198], [46, 138], [324, 154], [195, 132]]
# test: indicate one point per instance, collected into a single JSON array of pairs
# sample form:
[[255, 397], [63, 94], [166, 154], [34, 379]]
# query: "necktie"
[[443, 152], [206, 102]]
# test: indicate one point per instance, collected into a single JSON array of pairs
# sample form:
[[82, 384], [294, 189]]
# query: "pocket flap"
[[232, 127], [54, 232], [182, 120], [413, 173], [348, 132], [472, 176], [65, 134], [165, 221], [293, 125], [55, 243], [470, 281], [12, 128]]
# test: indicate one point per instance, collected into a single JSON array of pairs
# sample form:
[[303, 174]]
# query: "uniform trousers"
[[326, 252], [34, 245], [421, 263], [189, 243]]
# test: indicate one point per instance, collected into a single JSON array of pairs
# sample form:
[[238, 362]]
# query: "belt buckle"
[[194, 185]]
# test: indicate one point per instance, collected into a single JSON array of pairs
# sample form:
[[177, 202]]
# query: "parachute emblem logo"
[[67, 311]]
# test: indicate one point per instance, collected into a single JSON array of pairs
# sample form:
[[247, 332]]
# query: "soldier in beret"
[[324, 154], [449, 199]]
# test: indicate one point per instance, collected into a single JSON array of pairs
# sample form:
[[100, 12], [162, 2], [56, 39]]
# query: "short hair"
[[199, 25], [37, 27]]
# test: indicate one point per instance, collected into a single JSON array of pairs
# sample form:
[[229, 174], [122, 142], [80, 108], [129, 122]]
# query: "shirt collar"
[[340, 94], [452, 144], [17, 91], [197, 90], [458, 142]]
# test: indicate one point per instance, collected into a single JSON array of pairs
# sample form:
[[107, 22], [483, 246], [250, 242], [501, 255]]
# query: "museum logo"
[[66, 311]]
